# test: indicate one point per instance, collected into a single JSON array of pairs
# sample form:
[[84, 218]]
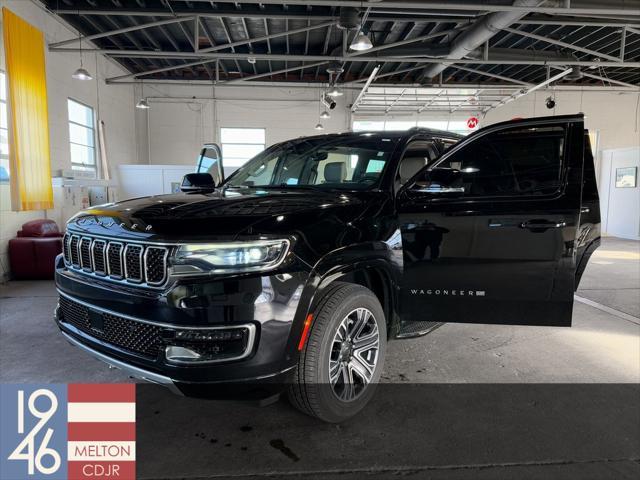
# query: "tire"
[[344, 307]]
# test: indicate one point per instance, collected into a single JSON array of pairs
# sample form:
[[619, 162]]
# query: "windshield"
[[320, 162]]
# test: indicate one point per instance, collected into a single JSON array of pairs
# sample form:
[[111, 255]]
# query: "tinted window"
[[324, 162], [523, 161]]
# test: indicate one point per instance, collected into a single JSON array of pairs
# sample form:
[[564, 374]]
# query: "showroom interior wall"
[[183, 117], [115, 108]]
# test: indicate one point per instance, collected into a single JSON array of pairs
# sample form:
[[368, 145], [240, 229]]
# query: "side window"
[[521, 161]]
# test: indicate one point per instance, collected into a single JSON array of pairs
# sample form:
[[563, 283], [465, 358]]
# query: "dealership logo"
[[448, 292], [75, 431]]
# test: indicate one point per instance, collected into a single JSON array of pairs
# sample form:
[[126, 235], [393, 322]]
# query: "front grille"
[[154, 260], [137, 337], [128, 262], [133, 263], [114, 259], [98, 251], [65, 247], [73, 247], [85, 254]]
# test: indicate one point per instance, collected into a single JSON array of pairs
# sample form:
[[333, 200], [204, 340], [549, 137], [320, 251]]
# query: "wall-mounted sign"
[[626, 177], [472, 122]]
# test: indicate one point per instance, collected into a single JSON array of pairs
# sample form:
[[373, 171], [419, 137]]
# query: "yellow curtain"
[[29, 118]]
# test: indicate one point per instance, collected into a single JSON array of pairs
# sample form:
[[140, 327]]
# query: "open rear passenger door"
[[490, 229]]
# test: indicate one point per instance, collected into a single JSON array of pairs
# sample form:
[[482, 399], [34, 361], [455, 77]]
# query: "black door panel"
[[503, 252]]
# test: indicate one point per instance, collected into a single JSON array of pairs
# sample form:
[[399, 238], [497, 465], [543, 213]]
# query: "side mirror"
[[197, 182], [440, 181]]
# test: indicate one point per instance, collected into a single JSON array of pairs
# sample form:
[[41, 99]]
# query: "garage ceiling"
[[457, 43]]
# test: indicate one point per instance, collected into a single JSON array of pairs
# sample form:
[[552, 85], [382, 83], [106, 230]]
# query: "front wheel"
[[342, 360]]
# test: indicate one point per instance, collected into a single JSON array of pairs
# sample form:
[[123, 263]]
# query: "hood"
[[225, 213]]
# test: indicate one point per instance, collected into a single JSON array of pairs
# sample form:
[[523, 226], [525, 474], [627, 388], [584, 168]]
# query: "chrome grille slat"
[[65, 247], [114, 259], [133, 262], [85, 254], [74, 247], [98, 251], [155, 264]]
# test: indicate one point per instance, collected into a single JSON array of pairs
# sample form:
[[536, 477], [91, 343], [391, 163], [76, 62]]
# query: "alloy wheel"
[[354, 354]]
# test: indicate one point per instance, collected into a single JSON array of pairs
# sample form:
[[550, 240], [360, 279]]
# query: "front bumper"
[[269, 303]]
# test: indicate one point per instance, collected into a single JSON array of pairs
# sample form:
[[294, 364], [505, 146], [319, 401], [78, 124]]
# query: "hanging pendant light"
[[81, 73], [319, 126], [361, 42], [325, 114], [142, 103]]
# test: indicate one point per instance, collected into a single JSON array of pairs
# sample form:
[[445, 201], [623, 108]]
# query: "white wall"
[[112, 104], [177, 124], [620, 207]]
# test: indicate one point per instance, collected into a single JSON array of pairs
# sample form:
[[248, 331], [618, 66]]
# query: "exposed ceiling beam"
[[523, 92], [266, 37], [341, 58], [222, 47], [119, 31], [415, 17], [568, 9], [399, 43], [269, 74], [492, 75], [561, 44], [606, 80]]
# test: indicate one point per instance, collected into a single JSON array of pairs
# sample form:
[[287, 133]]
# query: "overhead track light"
[[335, 92]]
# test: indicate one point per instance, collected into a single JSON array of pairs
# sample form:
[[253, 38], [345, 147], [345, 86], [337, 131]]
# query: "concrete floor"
[[541, 420]]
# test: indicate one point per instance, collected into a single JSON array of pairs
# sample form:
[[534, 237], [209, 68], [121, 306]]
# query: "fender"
[[340, 263]]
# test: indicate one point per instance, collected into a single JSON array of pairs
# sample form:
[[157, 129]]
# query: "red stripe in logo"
[[102, 392], [103, 431]]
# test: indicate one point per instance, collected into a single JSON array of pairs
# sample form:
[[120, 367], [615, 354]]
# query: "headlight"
[[258, 255]]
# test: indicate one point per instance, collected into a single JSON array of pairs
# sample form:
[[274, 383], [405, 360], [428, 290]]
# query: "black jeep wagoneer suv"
[[293, 273]]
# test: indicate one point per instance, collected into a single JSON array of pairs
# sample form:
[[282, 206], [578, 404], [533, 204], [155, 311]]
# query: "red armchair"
[[32, 254]]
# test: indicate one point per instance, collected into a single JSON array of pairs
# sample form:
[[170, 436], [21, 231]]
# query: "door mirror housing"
[[198, 182], [439, 182]]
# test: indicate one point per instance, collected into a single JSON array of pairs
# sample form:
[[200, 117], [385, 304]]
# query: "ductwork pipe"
[[479, 33]]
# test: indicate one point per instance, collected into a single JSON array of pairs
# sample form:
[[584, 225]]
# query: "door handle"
[[542, 224]]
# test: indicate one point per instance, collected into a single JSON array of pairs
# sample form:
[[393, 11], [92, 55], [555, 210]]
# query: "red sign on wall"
[[472, 122]]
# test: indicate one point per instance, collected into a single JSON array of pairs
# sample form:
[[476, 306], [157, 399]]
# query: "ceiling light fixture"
[[142, 103], [361, 42], [319, 126], [335, 92], [81, 73], [325, 114]]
